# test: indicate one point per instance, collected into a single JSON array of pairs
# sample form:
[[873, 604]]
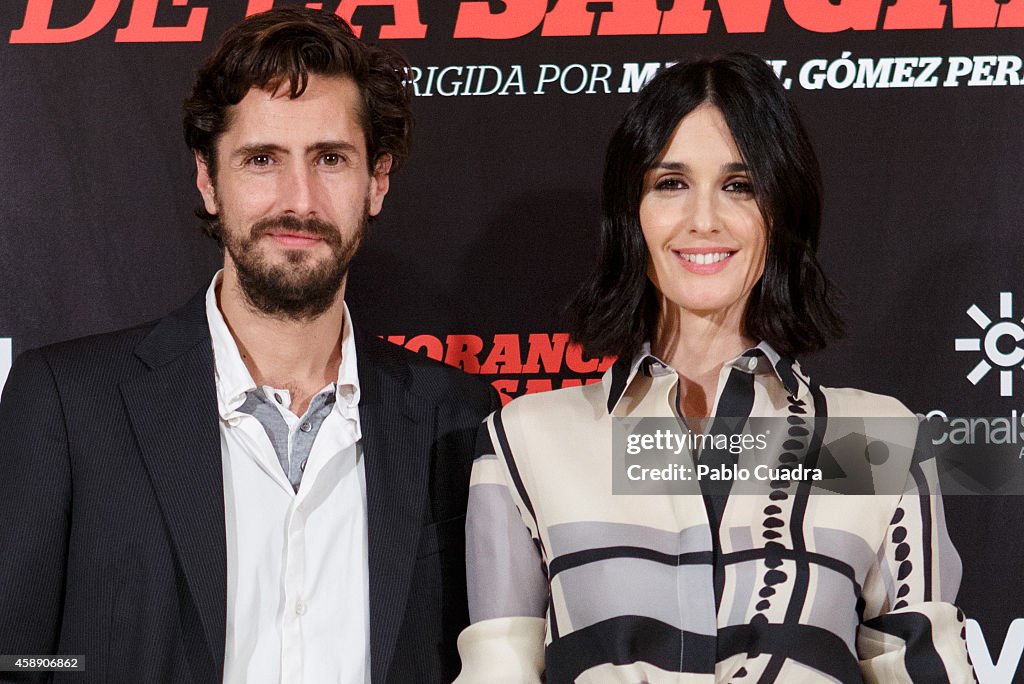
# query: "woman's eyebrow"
[[732, 167]]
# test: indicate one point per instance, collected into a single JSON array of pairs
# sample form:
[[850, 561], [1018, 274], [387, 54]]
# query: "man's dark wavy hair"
[[286, 45], [791, 306]]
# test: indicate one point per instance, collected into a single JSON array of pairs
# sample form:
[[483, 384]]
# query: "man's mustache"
[[312, 226]]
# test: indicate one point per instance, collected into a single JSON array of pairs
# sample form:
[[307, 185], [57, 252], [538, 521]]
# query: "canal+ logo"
[[1000, 343]]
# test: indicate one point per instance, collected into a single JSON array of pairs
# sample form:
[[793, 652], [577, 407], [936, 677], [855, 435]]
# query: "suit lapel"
[[398, 430], [173, 411]]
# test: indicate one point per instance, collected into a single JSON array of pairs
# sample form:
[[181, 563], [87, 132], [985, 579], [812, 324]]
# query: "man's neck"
[[299, 356]]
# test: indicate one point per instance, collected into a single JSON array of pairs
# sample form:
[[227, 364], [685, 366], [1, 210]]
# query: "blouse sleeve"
[[911, 631], [505, 574]]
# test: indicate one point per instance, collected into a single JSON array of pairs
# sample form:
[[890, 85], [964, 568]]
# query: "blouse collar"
[[761, 359]]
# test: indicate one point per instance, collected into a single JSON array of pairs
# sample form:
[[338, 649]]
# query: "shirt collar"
[[758, 360], [348, 374], [233, 377]]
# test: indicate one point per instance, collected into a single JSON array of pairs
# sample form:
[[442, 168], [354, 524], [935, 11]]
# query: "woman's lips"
[[704, 261]]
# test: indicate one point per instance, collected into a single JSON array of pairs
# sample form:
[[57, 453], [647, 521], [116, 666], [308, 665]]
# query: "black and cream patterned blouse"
[[570, 583]]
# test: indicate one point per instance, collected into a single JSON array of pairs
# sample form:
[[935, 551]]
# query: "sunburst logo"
[[1000, 341]]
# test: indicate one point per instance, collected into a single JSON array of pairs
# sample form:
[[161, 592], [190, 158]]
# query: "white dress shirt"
[[298, 587]]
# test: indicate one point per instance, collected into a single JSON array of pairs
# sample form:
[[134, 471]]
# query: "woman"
[[707, 287]]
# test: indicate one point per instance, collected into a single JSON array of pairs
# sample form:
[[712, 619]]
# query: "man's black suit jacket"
[[112, 541]]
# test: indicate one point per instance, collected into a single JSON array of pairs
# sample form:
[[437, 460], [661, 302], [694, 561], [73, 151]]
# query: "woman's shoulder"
[[568, 404], [858, 403]]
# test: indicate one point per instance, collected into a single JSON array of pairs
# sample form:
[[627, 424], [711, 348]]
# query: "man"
[[249, 490]]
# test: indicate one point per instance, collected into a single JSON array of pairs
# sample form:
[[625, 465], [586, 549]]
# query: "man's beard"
[[300, 289]]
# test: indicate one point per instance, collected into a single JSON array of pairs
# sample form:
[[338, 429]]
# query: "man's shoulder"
[[431, 380], [83, 355], [116, 355], [77, 373]]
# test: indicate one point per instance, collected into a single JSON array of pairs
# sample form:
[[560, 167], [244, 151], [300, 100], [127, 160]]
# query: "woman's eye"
[[670, 184], [742, 186]]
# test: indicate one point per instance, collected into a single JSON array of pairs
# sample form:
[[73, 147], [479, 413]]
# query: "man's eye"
[[331, 159], [259, 160]]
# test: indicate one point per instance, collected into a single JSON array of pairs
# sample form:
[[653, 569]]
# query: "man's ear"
[[205, 184], [380, 182]]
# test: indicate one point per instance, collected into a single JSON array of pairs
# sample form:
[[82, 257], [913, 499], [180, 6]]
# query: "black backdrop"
[[493, 220]]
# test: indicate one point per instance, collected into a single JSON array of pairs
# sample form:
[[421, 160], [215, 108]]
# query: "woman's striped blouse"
[[569, 582]]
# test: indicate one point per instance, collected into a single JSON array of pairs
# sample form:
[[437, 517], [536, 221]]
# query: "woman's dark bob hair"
[[791, 306]]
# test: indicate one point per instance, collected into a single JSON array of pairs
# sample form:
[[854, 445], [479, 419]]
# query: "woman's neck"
[[697, 347]]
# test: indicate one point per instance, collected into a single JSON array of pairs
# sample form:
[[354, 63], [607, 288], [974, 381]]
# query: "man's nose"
[[300, 192]]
